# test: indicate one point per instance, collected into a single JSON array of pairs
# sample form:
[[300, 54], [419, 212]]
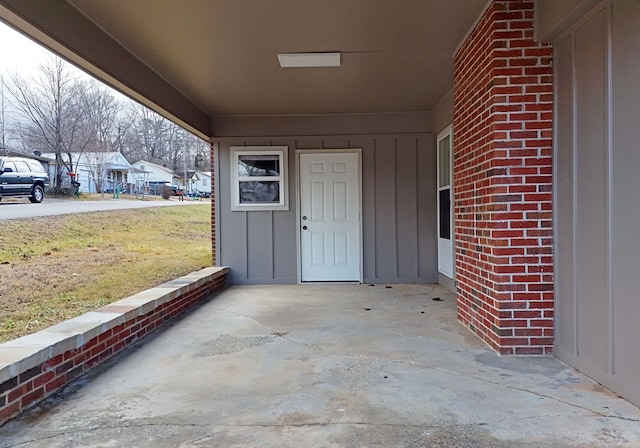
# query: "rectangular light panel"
[[290, 60]]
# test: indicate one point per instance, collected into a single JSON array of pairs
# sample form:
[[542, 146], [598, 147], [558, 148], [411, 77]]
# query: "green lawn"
[[58, 267]]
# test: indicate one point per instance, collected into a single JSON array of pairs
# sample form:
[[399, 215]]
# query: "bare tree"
[[97, 167], [123, 126], [148, 136], [3, 132], [201, 155], [188, 149], [176, 146], [54, 106], [107, 121], [67, 114], [7, 122]]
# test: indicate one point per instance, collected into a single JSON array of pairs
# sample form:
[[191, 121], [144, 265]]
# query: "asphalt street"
[[50, 207]]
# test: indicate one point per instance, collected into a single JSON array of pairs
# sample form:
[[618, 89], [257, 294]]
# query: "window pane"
[[259, 192], [444, 161], [258, 165], [22, 166], [11, 165], [445, 214], [35, 166]]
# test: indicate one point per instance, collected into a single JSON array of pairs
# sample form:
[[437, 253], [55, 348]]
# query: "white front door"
[[330, 216], [445, 221]]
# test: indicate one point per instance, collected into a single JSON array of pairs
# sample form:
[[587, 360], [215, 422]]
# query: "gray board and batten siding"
[[597, 196], [398, 212]]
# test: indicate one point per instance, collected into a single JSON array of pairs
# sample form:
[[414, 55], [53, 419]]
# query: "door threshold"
[[330, 282]]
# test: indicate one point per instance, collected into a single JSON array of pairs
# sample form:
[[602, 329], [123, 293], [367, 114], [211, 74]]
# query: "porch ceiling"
[[195, 60]]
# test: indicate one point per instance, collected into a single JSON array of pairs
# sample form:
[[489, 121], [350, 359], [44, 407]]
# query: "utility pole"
[[184, 159], [3, 143]]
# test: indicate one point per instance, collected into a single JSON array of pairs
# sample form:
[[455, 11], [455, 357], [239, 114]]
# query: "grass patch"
[[103, 196], [57, 267]]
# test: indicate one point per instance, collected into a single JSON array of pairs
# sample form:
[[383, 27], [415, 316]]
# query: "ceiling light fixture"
[[290, 60]]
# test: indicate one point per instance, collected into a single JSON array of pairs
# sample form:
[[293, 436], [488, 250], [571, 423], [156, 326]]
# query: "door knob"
[[304, 227], [304, 218]]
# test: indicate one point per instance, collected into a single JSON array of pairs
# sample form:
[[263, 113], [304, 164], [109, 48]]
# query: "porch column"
[[502, 179], [213, 205]]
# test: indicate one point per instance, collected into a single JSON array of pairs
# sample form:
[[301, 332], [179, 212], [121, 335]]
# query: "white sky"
[[23, 55], [18, 52]]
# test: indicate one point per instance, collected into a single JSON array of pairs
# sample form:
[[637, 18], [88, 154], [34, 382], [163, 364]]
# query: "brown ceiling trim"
[[317, 125]]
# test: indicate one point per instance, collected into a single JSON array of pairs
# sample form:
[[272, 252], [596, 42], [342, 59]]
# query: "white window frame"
[[280, 151]]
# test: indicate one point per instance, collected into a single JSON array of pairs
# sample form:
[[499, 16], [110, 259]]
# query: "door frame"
[[448, 131], [298, 152]]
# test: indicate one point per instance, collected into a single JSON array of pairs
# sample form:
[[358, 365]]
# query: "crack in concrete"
[[300, 425], [584, 408], [529, 417], [417, 364], [271, 330], [467, 375], [321, 349], [538, 394], [248, 425]]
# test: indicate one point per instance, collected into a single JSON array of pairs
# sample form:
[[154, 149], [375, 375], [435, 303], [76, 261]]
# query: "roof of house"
[[110, 160], [155, 165], [14, 153], [191, 173]]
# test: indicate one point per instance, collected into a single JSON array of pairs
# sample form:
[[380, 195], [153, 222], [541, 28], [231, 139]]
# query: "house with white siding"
[[155, 176], [97, 172], [198, 182]]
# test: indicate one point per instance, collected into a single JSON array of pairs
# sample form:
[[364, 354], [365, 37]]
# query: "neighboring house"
[[490, 146], [155, 175], [97, 172], [198, 182]]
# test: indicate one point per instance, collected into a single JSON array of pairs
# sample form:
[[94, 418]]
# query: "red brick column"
[[213, 205], [502, 181]]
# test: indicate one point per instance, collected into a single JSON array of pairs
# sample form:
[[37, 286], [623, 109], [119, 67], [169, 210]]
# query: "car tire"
[[37, 194]]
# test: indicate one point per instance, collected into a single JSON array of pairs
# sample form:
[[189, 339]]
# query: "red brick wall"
[[502, 181], [37, 383]]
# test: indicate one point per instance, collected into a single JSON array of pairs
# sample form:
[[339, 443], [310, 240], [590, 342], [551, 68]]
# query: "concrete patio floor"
[[326, 366]]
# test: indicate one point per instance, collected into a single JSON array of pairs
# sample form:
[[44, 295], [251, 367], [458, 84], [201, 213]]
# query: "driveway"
[[327, 366], [24, 209]]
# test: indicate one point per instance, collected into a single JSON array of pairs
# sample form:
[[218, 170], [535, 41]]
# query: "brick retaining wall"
[[38, 365]]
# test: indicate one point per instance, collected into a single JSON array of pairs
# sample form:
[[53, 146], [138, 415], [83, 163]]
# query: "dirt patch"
[[227, 344]]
